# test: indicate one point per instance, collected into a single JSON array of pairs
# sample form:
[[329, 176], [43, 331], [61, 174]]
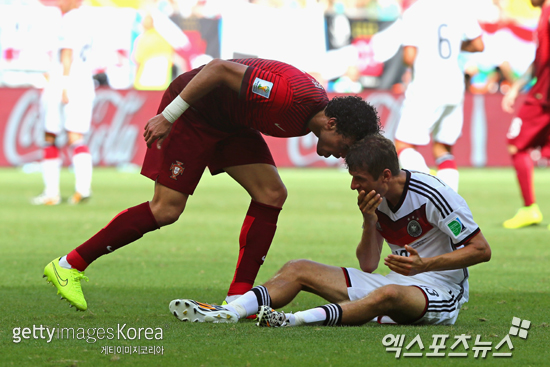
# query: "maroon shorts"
[[531, 128], [193, 145]]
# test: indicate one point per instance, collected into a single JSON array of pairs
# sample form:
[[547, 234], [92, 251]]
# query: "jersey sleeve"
[[453, 217], [268, 89]]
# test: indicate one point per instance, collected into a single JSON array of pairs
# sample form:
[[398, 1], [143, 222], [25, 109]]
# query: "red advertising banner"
[[119, 116]]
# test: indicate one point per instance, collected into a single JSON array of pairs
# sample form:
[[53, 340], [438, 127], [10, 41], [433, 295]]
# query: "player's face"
[[332, 143], [363, 181]]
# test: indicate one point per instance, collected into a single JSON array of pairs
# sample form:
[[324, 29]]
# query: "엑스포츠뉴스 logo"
[[176, 169]]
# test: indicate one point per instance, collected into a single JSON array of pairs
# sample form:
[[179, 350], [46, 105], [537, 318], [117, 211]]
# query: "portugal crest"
[[176, 169], [414, 229]]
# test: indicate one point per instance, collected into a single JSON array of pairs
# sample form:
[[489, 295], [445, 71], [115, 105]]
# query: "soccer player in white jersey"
[[66, 104], [434, 33], [432, 236]]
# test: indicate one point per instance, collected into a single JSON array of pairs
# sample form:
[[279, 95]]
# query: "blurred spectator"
[[154, 58]]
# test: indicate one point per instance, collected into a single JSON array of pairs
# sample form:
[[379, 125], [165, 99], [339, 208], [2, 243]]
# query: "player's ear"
[[331, 124], [386, 175]]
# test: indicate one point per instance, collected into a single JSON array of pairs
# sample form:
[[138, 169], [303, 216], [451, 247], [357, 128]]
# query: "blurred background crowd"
[[348, 45]]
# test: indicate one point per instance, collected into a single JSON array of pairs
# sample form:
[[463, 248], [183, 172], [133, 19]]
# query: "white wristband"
[[175, 109]]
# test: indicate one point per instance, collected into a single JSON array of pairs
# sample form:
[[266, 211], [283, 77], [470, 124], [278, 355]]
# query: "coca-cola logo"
[[112, 138]]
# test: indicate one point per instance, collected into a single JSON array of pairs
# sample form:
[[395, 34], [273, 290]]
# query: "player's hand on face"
[[368, 203], [156, 128], [406, 265], [508, 101]]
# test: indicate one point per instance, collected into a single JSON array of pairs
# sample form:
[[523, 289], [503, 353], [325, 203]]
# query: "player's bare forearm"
[[525, 78], [473, 45], [475, 251], [214, 73], [369, 249]]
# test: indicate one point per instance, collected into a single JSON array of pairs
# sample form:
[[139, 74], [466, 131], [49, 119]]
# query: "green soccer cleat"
[[189, 310], [526, 216], [67, 282]]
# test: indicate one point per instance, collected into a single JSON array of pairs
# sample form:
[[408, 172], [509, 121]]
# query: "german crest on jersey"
[[414, 229], [262, 87], [176, 169]]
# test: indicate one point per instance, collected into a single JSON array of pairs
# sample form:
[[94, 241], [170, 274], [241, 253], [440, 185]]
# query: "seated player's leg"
[[295, 276]]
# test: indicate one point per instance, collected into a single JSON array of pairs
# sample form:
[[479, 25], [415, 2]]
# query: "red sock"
[[128, 226], [524, 171], [256, 235], [446, 161]]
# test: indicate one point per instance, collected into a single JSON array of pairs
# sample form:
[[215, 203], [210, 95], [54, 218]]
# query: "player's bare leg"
[[446, 165], [410, 158], [268, 194], [404, 304]]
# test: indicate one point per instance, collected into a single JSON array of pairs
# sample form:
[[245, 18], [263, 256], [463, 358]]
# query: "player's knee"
[[388, 296], [295, 268], [512, 149], [166, 215], [274, 196]]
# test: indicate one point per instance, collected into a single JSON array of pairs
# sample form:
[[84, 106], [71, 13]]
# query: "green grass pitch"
[[195, 258]]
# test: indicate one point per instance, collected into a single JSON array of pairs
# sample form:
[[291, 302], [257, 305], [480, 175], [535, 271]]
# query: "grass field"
[[195, 258]]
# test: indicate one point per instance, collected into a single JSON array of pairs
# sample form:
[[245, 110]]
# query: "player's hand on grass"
[[508, 100], [367, 204], [157, 129], [406, 265]]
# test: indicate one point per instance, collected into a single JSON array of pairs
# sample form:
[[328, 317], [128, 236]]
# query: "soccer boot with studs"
[[67, 282], [189, 310], [268, 317]]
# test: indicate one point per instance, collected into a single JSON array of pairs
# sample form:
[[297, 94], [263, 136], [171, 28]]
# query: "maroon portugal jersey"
[[541, 90], [276, 99]]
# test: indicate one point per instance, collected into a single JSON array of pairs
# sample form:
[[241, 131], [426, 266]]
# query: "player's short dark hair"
[[373, 154], [355, 117]]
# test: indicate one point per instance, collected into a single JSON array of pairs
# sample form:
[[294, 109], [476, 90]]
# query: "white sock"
[[64, 264], [229, 299], [51, 169], [314, 316], [411, 159], [450, 177], [82, 164], [245, 305]]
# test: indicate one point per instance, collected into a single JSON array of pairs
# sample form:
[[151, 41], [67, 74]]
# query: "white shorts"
[[420, 119], [75, 116], [442, 303]]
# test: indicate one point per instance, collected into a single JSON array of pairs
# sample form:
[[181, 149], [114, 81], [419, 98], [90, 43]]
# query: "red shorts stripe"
[[346, 275]]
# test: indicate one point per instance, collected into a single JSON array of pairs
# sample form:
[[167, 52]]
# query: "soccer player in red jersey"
[[212, 117], [531, 128]]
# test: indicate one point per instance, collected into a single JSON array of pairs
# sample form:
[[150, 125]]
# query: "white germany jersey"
[[76, 34], [434, 220], [437, 28]]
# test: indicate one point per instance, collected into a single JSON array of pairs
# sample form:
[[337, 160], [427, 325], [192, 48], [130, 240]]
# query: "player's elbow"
[[483, 252]]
